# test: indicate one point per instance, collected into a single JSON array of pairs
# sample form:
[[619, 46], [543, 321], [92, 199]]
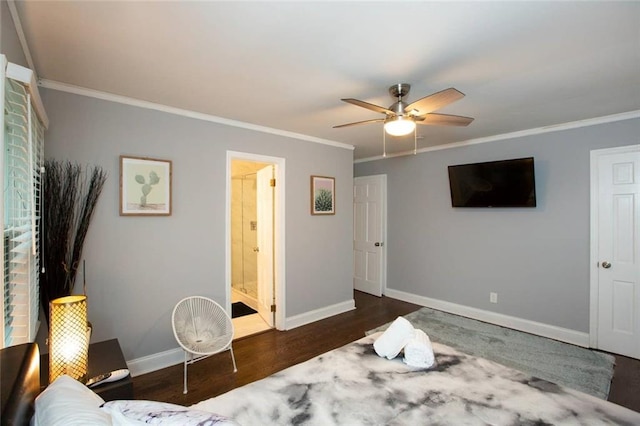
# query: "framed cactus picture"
[[145, 186], [323, 195]]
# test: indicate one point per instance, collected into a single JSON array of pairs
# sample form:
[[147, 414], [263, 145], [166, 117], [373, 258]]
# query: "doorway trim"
[[279, 234], [594, 237]]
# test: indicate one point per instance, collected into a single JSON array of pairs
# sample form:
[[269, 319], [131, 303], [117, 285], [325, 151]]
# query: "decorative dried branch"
[[69, 202]]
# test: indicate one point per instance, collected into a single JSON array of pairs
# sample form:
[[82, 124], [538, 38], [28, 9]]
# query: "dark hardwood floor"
[[261, 355]]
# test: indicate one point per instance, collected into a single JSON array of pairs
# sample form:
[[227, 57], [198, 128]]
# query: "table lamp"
[[68, 339]]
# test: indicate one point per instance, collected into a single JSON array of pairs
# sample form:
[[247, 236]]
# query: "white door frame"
[[594, 230], [264, 239], [279, 249]]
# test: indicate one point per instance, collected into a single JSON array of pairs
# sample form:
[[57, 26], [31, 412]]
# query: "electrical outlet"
[[493, 297]]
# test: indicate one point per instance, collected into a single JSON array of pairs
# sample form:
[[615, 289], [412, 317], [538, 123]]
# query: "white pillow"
[[67, 402], [140, 412]]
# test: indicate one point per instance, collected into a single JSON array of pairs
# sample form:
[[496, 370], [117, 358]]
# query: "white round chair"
[[202, 328]]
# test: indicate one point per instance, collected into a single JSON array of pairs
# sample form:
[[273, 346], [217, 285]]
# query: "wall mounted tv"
[[506, 183]]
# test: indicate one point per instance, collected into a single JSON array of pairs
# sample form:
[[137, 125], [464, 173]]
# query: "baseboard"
[[165, 359], [319, 314], [540, 329], [154, 362]]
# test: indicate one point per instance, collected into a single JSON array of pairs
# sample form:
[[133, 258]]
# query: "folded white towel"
[[394, 338], [418, 351]]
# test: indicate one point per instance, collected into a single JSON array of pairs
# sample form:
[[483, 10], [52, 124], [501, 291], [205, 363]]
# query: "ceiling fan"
[[401, 117]]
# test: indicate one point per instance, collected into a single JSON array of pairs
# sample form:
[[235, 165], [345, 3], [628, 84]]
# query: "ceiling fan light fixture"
[[399, 126]]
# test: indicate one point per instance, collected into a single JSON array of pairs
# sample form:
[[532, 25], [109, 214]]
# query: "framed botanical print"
[[145, 186], [323, 195]]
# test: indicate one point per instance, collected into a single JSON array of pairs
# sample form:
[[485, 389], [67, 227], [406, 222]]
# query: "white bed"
[[346, 386], [353, 386]]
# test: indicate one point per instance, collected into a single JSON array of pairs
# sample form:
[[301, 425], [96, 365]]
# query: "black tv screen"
[[506, 183]]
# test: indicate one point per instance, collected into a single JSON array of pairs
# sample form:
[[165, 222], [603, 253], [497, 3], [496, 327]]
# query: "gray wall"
[[9, 43], [139, 267], [536, 259]]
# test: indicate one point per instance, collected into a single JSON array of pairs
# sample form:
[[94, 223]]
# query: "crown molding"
[[13, 11], [82, 91], [513, 135], [63, 87]]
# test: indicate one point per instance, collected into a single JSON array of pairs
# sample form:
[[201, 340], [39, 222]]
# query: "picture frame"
[[145, 186], [323, 195]]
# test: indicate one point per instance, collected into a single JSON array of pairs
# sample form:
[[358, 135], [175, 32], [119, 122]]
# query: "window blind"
[[22, 160]]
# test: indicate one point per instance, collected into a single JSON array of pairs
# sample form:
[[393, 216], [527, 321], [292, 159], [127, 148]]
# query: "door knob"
[[378, 244], [606, 265], [256, 249]]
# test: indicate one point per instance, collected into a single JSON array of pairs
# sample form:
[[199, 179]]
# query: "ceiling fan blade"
[[434, 101], [367, 105], [443, 120], [377, 120]]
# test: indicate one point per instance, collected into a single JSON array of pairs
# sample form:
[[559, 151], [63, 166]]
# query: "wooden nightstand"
[[103, 357]]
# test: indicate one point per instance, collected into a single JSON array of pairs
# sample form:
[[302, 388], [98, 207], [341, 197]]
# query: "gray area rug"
[[562, 363]]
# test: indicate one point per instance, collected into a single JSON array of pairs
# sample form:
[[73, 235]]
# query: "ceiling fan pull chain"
[[415, 141], [384, 143]]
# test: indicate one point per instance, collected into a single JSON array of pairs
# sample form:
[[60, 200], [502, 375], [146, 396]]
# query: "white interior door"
[[369, 221], [265, 199], [617, 273]]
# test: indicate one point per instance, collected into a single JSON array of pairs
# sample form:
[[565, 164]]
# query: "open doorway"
[[253, 235], [245, 249]]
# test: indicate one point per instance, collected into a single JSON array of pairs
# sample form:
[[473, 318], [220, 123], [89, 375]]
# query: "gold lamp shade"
[[68, 339]]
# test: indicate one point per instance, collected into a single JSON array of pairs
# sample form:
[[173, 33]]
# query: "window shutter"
[[23, 157]]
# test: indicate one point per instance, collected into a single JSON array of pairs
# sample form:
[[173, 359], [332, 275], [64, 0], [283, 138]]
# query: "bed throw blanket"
[[352, 385]]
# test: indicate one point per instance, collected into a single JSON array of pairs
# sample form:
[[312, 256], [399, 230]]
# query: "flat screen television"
[[506, 183]]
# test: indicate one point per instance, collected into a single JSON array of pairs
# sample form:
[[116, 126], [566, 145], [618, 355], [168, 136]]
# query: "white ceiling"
[[286, 65]]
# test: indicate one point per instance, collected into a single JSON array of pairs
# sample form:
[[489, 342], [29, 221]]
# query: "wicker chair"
[[202, 328]]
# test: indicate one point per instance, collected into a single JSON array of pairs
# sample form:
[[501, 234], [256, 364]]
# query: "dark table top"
[[103, 357]]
